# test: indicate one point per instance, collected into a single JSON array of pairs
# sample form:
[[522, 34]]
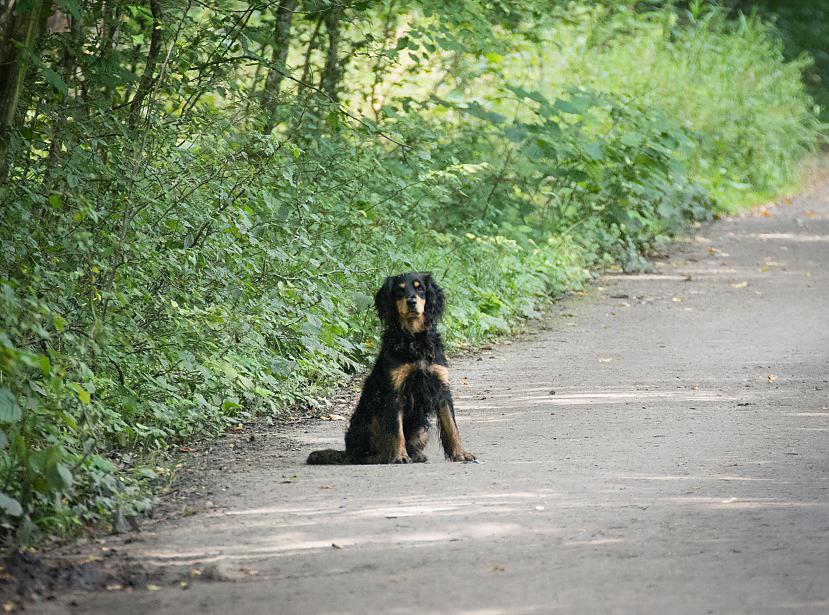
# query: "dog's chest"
[[419, 374]]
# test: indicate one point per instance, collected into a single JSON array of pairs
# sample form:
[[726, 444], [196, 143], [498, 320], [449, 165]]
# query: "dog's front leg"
[[395, 444], [450, 437]]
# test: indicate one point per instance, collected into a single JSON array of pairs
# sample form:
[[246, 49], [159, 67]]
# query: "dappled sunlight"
[[693, 477], [663, 277], [278, 530], [407, 610], [326, 538], [416, 505], [594, 542], [797, 237], [734, 503], [591, 398]]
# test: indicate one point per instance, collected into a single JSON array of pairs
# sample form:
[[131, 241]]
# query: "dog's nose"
[[411, 301]]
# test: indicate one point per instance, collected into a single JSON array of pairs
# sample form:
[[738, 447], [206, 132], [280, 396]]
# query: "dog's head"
[[411, 300]]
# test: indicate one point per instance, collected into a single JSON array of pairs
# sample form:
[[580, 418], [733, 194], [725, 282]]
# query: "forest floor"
[[657, 445]]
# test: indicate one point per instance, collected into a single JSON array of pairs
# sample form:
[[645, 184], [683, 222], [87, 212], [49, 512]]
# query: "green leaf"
[[59, 477], [4, 440], [632, 139], [476, 110], [576, 106], [531, 94], [10, 505], [73, 7], [594, 151], [56, 81], [516, 133], [146, 473], [83, 394], [9, 410]]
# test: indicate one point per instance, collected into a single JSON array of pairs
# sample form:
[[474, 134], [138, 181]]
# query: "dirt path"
[[660, 446]]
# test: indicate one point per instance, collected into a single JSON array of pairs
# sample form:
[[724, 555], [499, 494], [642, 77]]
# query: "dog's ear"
[[383, 302], [434, 298]]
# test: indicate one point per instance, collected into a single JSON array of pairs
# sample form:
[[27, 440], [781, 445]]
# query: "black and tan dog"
[[408, 384]]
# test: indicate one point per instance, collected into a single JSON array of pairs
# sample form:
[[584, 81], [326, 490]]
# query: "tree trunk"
[[70, 66], [148, 78], [21, 24], [331, 73], [281, 45]]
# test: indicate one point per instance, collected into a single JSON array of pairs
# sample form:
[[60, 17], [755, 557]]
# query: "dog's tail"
[[328, 456]]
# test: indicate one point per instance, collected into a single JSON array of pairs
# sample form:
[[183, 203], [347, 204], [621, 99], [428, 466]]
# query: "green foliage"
[[802, 25], [169, 268]]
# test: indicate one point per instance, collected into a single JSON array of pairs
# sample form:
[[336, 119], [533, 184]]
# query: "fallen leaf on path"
[[729, 501], [678, 299], [237, 427], [186, 449], [605, 359], [332, 417], [195, 572], [114, 587], [249, 572], [153, 588], [496, 568], [695, 387], [9, 607], [765, 213], [336, 546], [184, 585], [739, 285], [811, 214], [772, 377]]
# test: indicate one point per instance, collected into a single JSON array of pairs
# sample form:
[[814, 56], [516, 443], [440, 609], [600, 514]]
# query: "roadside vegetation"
[[199, 198]]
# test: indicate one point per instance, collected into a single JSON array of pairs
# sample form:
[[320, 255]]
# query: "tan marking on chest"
[[400, 374], [440, 372]]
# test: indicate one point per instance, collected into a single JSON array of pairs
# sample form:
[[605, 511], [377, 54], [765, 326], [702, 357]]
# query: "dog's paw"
[[418, 457], [401, 459], [462, 456]]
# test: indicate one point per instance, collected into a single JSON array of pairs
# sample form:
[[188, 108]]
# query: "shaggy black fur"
[[407, 385]]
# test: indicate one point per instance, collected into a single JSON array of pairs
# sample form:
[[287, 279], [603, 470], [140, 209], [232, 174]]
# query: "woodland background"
[[199, 197]]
